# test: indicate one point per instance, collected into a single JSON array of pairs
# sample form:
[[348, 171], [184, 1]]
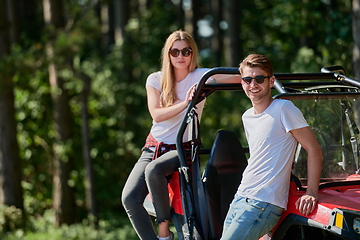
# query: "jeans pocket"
[[256, 204], [274, 215], [276, 212]]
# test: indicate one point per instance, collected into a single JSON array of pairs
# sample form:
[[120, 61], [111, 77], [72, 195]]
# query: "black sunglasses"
[[176, 52], [258, 79]]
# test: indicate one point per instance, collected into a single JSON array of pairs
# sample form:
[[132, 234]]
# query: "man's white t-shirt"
[[272, 148], [166, 131]]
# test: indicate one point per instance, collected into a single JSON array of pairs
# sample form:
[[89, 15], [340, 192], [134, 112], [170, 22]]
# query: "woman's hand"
[[160, 114], [190, 93]]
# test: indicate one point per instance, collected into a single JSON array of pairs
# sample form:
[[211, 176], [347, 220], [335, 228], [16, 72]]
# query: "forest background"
[[73, 113]]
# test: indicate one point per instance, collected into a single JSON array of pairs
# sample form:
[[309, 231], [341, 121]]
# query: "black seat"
[[222, 177]]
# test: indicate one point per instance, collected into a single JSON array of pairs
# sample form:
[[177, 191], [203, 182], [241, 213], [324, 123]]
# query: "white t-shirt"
[[166, 131], [272, 147]]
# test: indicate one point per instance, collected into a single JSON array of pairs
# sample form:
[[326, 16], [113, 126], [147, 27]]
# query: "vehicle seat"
[[222, 177]]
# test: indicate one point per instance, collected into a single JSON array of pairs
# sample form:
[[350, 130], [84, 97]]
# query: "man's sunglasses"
[[258, 79], [176, 52]]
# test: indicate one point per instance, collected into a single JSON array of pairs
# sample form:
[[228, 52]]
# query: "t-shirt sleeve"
[[198, 73], [292, 117], [154, 80]]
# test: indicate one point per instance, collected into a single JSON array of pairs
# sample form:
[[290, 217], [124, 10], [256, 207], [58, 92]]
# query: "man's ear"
[[272, 81]]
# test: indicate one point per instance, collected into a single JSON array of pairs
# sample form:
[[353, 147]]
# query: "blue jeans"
[[249, 219], [149, 176]]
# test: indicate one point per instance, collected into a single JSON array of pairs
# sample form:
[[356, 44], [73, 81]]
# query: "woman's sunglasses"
[[176, 52], [258, 79]]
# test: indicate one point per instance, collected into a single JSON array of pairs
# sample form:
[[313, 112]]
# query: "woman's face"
[[180, 61]]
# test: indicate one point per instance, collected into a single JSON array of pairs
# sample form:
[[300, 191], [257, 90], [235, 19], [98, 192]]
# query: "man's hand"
[[306, 204]]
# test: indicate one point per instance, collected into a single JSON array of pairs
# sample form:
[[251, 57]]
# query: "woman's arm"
[[160, 114]]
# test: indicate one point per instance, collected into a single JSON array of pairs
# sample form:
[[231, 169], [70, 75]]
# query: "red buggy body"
[[330, 101]]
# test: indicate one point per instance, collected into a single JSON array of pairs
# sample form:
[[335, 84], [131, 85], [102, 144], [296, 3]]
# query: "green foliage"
[[285, 28], [223, 110], [11, 219], [44, 228], [298, 36], [328, 122]]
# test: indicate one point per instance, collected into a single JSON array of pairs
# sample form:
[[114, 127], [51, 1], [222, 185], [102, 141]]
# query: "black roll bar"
[[340, 77], [182, 128], [325, 74]]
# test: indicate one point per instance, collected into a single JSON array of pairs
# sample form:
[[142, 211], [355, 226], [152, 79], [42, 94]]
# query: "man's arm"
[[307, 203], [225, 78]]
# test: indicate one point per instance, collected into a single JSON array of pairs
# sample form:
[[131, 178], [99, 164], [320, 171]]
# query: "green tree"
[[356, 36], [63, 193], [102, 52], [10, 164]]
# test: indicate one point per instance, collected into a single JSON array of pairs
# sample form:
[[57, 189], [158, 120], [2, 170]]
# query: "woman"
[[168, 95]]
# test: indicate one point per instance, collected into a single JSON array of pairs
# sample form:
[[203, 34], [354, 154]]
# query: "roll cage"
[[330, 83], [330, 78]]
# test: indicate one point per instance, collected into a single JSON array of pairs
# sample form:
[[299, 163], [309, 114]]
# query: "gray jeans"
[[149, 176]]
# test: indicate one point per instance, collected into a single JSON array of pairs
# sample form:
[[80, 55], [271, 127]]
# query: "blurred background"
[[73, 113]]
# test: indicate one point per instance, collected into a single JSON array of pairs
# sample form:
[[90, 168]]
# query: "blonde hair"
[[168, 86]]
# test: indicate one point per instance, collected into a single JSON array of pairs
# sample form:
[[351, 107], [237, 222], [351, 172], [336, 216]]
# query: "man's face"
[[256, 83]]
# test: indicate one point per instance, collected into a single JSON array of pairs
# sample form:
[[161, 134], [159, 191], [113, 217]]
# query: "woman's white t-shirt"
[[272, 148], [166, 131]]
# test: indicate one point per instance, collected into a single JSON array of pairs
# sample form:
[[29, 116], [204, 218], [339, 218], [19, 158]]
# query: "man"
[[273, 128]]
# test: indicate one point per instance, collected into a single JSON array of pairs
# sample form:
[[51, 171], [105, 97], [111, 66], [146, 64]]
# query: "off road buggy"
[[330, 101]]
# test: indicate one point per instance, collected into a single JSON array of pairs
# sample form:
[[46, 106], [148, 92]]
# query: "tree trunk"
[[63, 194], [10, 164], [122, 8], [121, 16], [180, 14], [91, 205], [188, 17], [356, 36], [105, 26], [89, 178], [196, 7], [233, 51], [216, 41]]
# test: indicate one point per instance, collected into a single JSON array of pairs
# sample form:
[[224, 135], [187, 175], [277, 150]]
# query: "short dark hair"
[[257, 60]]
